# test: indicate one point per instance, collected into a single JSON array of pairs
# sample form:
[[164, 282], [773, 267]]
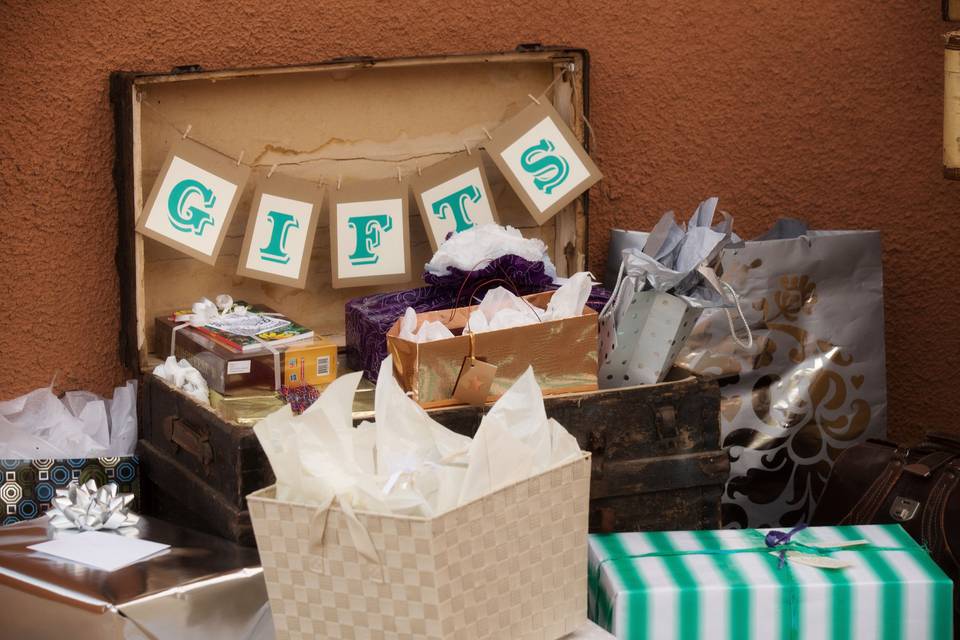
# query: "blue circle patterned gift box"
[[29, 486]]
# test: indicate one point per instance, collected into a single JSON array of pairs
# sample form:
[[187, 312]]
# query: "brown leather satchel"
[[880, 483]]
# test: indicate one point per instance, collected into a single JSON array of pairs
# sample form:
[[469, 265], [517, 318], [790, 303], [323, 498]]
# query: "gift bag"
[[812, 384], [659, 293], [48, 442], [477, 260]]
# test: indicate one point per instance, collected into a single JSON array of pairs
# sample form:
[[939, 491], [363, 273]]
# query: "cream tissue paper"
[[406, 463], [501, 309]]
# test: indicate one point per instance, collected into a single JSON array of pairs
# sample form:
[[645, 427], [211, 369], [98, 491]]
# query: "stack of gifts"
[[236, 346], [465, 267], [506, 451]]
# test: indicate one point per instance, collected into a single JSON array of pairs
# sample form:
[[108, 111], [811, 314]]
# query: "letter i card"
[[542, 160], [193, 200], [454, 196], [281, 227], [369, 233]]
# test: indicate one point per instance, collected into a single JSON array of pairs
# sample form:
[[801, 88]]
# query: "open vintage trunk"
[[360, 118]]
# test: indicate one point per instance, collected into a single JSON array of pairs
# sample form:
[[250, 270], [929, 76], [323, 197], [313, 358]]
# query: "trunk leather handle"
[[943, 440], [184, 436], [666, 422], [866, 508]]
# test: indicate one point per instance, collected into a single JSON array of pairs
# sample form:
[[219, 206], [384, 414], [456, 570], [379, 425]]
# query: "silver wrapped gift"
[[202, 587], [590, 631]]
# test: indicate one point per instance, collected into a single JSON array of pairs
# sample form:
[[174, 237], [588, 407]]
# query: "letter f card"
[[542, 160], [193, 200], [369, 234]]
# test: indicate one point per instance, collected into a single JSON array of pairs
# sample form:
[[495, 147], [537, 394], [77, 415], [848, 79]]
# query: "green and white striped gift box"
[[727, 585]]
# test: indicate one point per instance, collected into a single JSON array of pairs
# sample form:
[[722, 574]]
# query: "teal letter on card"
[[276, 251], [189, 218], [549, 170], [455, 205], [368, 232]]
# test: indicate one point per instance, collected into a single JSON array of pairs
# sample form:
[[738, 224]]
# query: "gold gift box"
[[563, 354]]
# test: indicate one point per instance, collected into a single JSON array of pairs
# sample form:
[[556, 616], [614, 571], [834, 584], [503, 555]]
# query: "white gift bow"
[[362, 541]]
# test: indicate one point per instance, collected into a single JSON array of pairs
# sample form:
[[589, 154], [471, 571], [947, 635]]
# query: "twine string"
[[392, 159]]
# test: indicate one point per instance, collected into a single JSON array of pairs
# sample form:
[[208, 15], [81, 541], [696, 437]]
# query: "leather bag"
[[878, 482]]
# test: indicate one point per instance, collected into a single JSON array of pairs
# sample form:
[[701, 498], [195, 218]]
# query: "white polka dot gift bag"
[[659, 294]]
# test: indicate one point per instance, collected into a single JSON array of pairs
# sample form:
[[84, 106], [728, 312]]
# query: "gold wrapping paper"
[[245, 407], [563, 354]]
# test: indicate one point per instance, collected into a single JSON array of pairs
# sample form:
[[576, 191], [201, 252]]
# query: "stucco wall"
[[825, 110]]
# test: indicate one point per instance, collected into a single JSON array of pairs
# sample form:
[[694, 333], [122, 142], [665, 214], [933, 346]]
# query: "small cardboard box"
[[563, 354], [226, 371]]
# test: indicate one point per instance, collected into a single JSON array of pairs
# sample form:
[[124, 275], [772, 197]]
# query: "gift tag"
[[813, 560], [838, 544], [474, 382]]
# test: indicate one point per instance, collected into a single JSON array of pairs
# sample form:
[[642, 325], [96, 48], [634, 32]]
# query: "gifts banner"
[[198, 189]]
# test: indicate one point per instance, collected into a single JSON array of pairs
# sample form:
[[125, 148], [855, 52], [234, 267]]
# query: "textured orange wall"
[[829, 111]]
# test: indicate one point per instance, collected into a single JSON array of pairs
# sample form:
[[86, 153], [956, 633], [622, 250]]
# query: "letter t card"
[[542, 160], [454, 196], [369, 233]]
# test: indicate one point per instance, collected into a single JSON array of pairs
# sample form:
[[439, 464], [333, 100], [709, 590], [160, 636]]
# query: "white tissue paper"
[[182, 375], [479, 245], [569, 300], [428, 331], [515, 441], [405, 463], [82, 425], [502, 309]]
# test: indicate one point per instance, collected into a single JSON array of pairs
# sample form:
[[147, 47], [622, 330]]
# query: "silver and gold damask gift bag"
[[813, 382]]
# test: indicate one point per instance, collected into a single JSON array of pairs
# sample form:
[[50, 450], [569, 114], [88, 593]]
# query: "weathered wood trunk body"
[[656, 460], [657, 463]]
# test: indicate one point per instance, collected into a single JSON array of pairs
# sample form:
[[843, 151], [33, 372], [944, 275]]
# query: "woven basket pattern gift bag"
[[511, 564]]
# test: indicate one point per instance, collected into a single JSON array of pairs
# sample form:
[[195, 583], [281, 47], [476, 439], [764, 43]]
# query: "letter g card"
[[193, 200]]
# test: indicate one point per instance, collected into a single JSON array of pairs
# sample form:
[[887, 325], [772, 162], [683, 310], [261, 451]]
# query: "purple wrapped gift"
[[369, 318]]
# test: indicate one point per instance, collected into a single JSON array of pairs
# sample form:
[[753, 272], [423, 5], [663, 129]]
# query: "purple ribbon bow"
[[776, 539]]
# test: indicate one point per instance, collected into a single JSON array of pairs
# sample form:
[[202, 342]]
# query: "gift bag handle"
[[485, 283], [743, 318], [724, 288], [616, 287]]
